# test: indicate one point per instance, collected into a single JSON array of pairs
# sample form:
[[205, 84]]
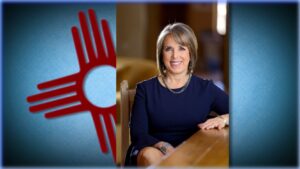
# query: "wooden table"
[[204, 148]]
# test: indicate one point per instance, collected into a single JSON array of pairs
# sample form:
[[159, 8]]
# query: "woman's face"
[[175, 56]]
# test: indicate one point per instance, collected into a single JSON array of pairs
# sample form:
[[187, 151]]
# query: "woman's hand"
[[218, 122], [164, 147]]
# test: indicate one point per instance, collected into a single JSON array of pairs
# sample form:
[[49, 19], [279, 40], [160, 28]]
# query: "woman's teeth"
[[175, 63]]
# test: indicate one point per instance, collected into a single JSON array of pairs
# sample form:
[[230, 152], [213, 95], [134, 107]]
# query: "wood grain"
[[204, 148]]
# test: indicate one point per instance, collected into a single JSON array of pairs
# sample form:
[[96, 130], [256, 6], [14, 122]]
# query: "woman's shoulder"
[[202, 82], [206, 84], [148, 82]]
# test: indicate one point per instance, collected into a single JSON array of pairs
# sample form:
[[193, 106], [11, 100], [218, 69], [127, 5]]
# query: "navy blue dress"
[[160, 115]]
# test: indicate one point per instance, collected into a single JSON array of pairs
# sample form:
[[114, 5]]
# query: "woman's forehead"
[[175, 38]]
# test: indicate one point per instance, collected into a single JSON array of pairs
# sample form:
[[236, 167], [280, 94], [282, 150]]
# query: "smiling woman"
[[176, 56], [171, 107]]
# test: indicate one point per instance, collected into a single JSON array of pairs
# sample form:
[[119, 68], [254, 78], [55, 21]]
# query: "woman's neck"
[[176, 81]]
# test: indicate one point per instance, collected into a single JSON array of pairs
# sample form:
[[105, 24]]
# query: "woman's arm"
[[139, 123], [164, 147], [220, 104]]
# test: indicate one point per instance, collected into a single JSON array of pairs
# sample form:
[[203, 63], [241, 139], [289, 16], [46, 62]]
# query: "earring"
[[190, 67], [165, 71]]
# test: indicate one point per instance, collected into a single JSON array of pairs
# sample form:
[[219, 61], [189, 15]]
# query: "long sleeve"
[[139, 124], [220, 100]]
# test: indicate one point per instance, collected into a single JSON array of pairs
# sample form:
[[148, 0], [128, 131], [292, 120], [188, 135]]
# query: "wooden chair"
[[126, 102]]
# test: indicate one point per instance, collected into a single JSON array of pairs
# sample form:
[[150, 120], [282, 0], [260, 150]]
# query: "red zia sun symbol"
[[75, 83]]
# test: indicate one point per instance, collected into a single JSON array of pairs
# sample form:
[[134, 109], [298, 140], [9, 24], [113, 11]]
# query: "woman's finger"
[[212, 123], [205, 125]]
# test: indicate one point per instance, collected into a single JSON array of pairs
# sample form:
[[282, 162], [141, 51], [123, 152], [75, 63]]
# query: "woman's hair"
[[184, 36]]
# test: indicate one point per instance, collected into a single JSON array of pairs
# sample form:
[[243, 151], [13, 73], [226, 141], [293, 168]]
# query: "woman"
[[173, 106]]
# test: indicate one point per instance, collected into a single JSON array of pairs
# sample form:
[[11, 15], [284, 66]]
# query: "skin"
[[176, 58], [148, 156], [217, 122]]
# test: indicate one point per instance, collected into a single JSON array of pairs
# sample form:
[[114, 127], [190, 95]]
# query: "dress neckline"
[[176, 89]]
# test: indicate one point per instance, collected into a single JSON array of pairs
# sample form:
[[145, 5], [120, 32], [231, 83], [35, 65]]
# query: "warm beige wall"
[[153, 29], [131, 30], [138, 26], [200, 18]]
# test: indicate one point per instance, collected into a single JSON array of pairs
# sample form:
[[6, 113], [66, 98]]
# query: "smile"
[[175, 63]]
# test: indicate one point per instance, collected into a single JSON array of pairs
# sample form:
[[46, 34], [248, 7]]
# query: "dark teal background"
[[37, 47], [263, 84]]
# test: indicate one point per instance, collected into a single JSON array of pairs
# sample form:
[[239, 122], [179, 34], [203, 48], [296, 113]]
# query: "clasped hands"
[[218, 122]]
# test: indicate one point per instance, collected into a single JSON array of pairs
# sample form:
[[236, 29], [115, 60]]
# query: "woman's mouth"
[[175, 63]]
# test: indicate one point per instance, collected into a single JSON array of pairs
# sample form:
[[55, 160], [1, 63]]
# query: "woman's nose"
[[175, 54]]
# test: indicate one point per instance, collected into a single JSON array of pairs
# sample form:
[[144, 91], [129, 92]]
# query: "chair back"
[[126, 102]]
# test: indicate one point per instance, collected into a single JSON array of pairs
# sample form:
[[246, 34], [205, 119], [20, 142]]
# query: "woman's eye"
[[168, 48], [181, 48]]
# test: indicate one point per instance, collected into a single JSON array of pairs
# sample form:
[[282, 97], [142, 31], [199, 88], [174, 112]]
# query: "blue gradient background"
[[263, 84], [37, 47]]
